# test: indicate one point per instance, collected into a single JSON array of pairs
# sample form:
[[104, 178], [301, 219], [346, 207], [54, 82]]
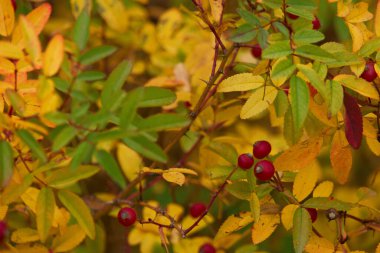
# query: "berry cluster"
[[264, 169]]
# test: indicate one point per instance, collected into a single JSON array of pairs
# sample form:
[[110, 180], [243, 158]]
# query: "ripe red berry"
[[313, 214], [264, 170], [197, 209], [369, 73], [207, 248], [292, 16], [261, 149], [245, 161], [3, 231], [126, 216], [316, 23], [256, 51]]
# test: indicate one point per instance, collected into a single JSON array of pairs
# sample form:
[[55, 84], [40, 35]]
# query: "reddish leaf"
[[353, 121]]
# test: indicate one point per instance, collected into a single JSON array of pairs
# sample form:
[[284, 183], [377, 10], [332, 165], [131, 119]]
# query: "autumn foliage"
[[189, 126]]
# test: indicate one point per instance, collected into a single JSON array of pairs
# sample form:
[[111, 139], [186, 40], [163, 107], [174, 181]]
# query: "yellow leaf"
[[234, 223], [183, 170], [24, 235], [130, 162], [53, 56], [287, 214], [356, 35], [7, 17], [29, 197], [114, 13], [258, 102], [45, 212], [324, 189], [305, 181], [320, 111], [37, 18], [8, 50], [319, 244], [264, 227], [6, 66], [300, 155], [71, 238], [377, 19], [174, 177], [78, 5], [31, 42], [341, 157], [368, 129], [79, 210], [216, 9], [343, 9], [3, 211], [241, 82], [358, 85], [359, 13], [374, 145]]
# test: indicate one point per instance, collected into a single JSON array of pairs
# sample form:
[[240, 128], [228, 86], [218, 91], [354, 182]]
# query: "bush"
[[191, 126]]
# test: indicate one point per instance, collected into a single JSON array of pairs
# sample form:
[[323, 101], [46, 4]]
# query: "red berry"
[[261, 149], [369, 73], [197, 209], [264, 170], [207, 248], [3, 231], [14, 3], [256, 51], [245, 161], [187, 104], [292, 16], [313, 214], [127, 216], [316, 23]]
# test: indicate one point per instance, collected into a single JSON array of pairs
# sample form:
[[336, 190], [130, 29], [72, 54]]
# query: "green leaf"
[[327, 203], [299, 101], [302, 4], [91, 75], [224, 150], [249, 17], [163, 121], [240, 190], [79, 211], [81, 31], [274, 4], [301, 12], [81, 153], [63, 178], [45, 212], [95, 54], [315, 53], [146, 148], [6, 162], [16, 100], [254, 204], [307, 36], [109, 164], [290, 134], [281, 71], [277, 50], [281, 103], [244, 33], [241, 82], [335, 97], [114, 83], [301, 229], [156, 96], [221, 171], [129, 108], [64, 137], [314, 79], [34, 146], [369, 47]]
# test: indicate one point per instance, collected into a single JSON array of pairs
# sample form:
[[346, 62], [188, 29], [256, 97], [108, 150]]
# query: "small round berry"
[[264, 170], [313, 214], [332, 214], [369, 74], [127, 216], [256, 51], [245, 161], [316, 23], [3, 230], [261, 149], [197, 209], [292, 16], [207, 248]]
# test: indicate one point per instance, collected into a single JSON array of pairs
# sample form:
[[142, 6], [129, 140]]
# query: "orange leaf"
[[300, 155], [7, 17], [53, 56], [341, 157], [6, 66]]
